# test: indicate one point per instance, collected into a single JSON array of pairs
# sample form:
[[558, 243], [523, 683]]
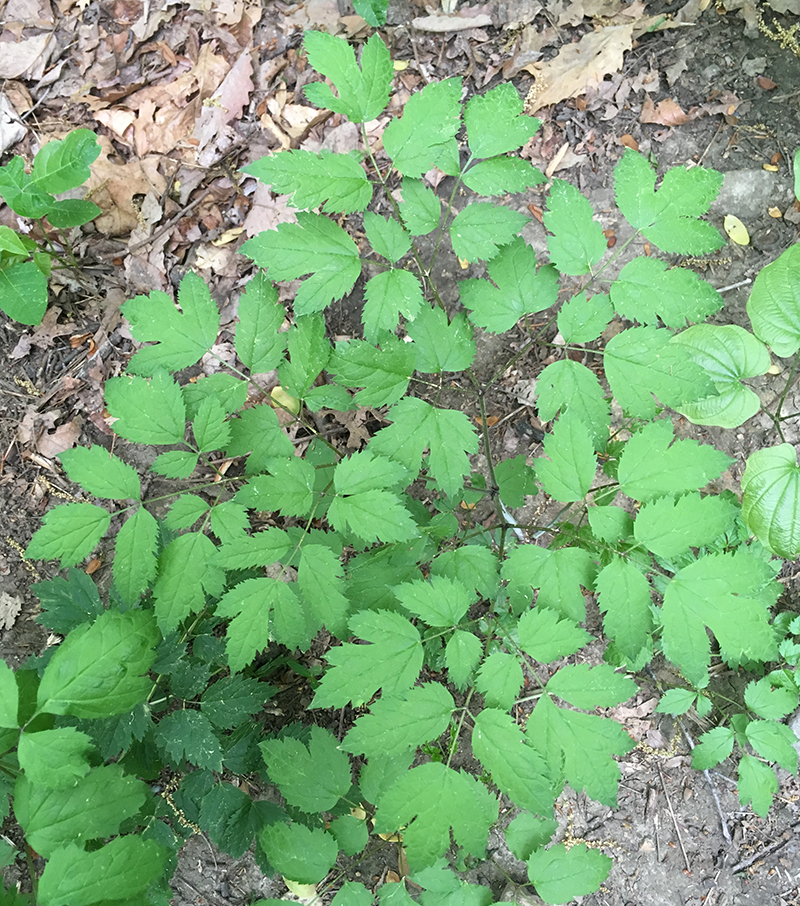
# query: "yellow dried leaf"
[[736, 230], [286, 400]]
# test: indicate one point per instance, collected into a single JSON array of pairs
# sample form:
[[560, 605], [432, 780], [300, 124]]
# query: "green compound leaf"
[[438, 601], [386, 236], [496, 124], [648, 290], [591, 687], [401, 722], [517, 770], [668, 217], [258, 343], [582, 320], [393, 661], [654, 464], [669, 527], [309, 350], [462, 654], [473, 565], [386, 294], [101, 473], [183, 336], [69, 533], [185, 511], [23, 292], [424, 137], [481, 228], [446, 433], [229, 522], [175, 464], [558, 574], [321, 581], [289, 488], [576, 243], [641, 362], [560, 874], [546, 637], [372, 516], [771, 703], [569, 472], [229, 390], [728, 593], [314, 245], [436, 798], [135, 562], [500, 679], [258, 434], [527, 833], [625, 601], [229, 701], [610, 523], [520, 289], [189, 735], [63, 164], [420, 208], [774, 304], [585, 743], [312, 778], [364, 92], [774, 741], [54, 758], [297, 852], [502, 175], [120, 870], [335, 183], [186, 572], [439, 345], [771, 499], [728, 354], [571, 386], [383, 373], [147, 412], [757, 784], [211, 431], [677, 702], [66, 603], [111, 654]]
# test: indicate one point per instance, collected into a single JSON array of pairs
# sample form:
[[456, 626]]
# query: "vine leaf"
[[560, 874], [770, 509], [774, 304]]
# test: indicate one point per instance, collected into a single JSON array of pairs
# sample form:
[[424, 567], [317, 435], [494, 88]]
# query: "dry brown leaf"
[[51, 443], [666, 113], [226, 105], [578, 67], [10, 607], [17, 58]]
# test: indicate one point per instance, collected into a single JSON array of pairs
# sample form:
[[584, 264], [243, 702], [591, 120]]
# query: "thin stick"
[[725, 832], [773, 847], [674, 819]]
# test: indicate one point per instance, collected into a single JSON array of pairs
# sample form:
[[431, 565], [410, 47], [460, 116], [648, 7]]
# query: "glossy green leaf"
[[560, 874], [771, 499], [774, 303]]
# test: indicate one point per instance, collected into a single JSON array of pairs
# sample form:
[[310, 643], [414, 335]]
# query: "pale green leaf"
[[757, 784], [69, 533], [576, 243], [676, 701], [771, 499], [495, 122], [8, 697], [386, 294], [610, 523], [581, 320], [258, 342], [54, 758], [560, 874], [135, 562], [774, 303], [546, 637], [186, 572], [462, 654], [528, 832], [439, 345], [478, 232], [420, 208], [372, 516], [299, 853], [771, 703], [383, 372], [321, 581], [147, 412], [500, 679], [591, 687], [669, 527], [23, 292], [570, 386], [438, 601], [624, 598], [569, 472], [774, 741], [101, 473], [502, 175]]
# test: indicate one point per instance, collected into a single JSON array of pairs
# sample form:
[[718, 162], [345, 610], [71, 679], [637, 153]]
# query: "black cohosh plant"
[[122, 741]]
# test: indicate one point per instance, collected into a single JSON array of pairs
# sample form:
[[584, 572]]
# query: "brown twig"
[[674, 819]]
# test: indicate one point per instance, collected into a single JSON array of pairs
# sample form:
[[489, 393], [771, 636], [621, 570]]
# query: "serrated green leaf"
[[182, 335], [101, 473], [546, 637], [289, 488], [576, 243], [516, 480], [386, 294], [374, 13], [771, 499], [420, 207], [462, 654], [495, 122], [473, 565], [113, 654], [258, 434], [676, 701], [757, 784], [299, 853], [436, 798], [582, 320], [386, 236], [372, 516], [231, 818], [258, 342], [147, 412], [500, 679], [668, 217], [135, 562], [569, 472], [517, 770], [571, 386], [8, 697], [185, 511], [364, 92], [352, 836], [591, 687], [335, 183], [175, 463], [232, 699], [211, 431], [54, 759], [558, 574], [641, 362], [229, 522], [478, 232], [392, 661], [69, 533], [229, 390], [728, 353], [439, 345], [647, 290], [669, 527], [321, 581], [66, 603], [424, 137], [63, 164], [314, 245], [624, 598], [186, 571], [731, 595], [438, 601], [189, 735], [560, 874], [654, 464], [383, 372], [774, 303], [528, 832], [313, 777], [446, 433], [774, 741], [309, 350], [502, 175], [23, 292], [610, 523], [402, 721], [771, 703]]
